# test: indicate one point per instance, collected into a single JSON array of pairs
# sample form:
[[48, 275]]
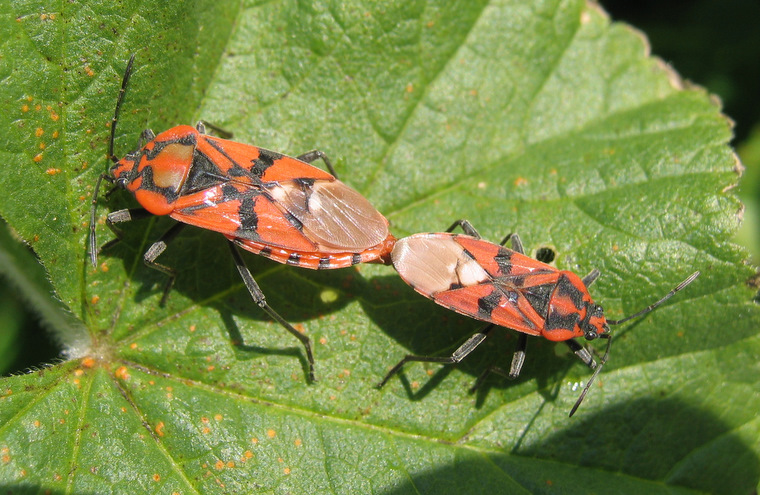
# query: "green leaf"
[[538, 118]]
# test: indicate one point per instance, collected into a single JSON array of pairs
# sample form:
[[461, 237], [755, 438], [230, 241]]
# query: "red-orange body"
[[498, 285], [268, 203], [506, 288]]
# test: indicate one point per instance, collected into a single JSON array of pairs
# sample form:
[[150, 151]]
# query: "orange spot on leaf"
[[122, 373]]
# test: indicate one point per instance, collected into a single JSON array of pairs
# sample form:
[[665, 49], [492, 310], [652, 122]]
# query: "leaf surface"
[[538, 118]]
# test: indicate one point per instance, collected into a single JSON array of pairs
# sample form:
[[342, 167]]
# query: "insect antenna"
[[593, 377], [667, 296], [644, 311], [120, 99], [93, 243]]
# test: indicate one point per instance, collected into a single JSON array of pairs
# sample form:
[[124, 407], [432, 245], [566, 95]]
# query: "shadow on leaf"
[[423, 328], [646, 446], [657, 439], [207, 276]]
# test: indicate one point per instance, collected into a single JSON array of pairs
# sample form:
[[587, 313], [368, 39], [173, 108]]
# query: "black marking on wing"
[[265, 160], [487, 304], [565, 288], [557, 320], [203, 175], [504, 261], [236, 170], [539, 297], [249, 220]]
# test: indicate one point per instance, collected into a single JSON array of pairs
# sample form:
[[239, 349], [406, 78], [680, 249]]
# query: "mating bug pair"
[[289, 211]]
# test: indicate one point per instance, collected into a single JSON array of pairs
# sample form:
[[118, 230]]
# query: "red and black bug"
[[265, 202], [504, 287]]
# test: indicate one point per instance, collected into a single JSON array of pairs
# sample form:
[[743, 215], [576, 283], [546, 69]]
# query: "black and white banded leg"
[[258, 297]]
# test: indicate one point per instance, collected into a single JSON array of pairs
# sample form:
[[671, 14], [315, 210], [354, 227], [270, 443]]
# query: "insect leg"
[[93, 243], [155, 250], [463, 351], [582, 353], [589, 279], [120, 216], [146, 136], [313, 155], [201, 126], [593, 377], [517, 244], [518, 359], [260, 300], [466, 226]]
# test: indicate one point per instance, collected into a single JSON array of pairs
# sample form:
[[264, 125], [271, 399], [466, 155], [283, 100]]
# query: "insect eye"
[[122, 182], [598, 311], [591, 334]]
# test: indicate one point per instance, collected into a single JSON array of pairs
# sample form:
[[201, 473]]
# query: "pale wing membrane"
[[432, 265], [333, 215], [439, 268]]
